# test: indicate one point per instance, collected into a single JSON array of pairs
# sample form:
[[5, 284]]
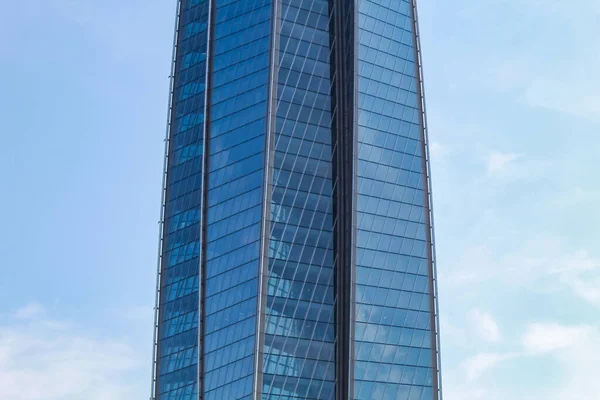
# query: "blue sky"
[[514, 112]]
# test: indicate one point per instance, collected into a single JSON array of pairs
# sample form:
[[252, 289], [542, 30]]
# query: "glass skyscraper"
[[296, 254]]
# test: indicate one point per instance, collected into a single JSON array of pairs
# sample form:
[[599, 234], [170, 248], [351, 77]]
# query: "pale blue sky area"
[[514, 114]]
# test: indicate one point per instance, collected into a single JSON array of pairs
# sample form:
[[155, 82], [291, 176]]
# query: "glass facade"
[[282, 110], [392, 326], [240, 67], [299, 344], [177, 347]]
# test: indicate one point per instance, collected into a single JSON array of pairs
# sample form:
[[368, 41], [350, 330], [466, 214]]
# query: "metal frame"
[[163, 196], [265, 220], [203, 200], [433, 298], [354, 225], [344, 210]]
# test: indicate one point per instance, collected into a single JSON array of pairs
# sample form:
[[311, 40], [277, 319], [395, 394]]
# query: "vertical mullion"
[[266, 203], [343, 164], [204, 199], [164, 197], [433, 298]]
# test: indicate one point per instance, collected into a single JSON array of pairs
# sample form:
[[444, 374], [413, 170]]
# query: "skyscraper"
[[296, 251]]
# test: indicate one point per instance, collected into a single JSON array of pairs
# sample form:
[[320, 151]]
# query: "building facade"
[[296, 254]]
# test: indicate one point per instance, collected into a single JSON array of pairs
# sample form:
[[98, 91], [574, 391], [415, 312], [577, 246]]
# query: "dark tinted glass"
[[299, 353]]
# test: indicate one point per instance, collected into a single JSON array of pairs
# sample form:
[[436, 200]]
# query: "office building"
[[296, 257]]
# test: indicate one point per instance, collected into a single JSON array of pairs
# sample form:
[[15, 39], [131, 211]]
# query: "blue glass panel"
[[392, 332], [299, 348], [236, 145], [178, 332]]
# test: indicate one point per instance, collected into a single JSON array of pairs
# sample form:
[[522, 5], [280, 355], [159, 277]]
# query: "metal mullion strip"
[[345, 137], [265, 220], [353, 189], [161, 222], [434, 306], [204, 200]]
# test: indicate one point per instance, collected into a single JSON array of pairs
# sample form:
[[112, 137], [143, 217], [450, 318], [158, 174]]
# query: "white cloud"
[[498, 161], [576, 97], [485, 326], [468, 391], [31, 310], [452, 334], [510, 167], [575, 196], [577, 349], [438, 151], [42, 360], [502, 228], [544, 263], [581, 273], [573, 349], [567, 82], [545, 338], [136, 313], [589, 290], [479, 364]]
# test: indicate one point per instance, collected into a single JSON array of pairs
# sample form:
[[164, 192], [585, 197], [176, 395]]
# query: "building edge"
[[204, 198], [428, 198], [161, 222]]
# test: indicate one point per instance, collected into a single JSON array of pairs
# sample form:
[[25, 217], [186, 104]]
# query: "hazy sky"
[[513, 99]]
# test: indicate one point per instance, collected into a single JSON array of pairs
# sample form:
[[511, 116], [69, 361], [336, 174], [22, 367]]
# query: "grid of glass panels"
[[299, 352], [235, 179], [392, 329], [178, 332]]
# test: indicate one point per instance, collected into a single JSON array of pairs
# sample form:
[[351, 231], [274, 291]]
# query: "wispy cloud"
[[542, 263], [573, 349], [485, 326], [479, 364], [498, 161], [544, 338], [30, 311], [516, 199], [42, 360], [577, 350], [577, 97]]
